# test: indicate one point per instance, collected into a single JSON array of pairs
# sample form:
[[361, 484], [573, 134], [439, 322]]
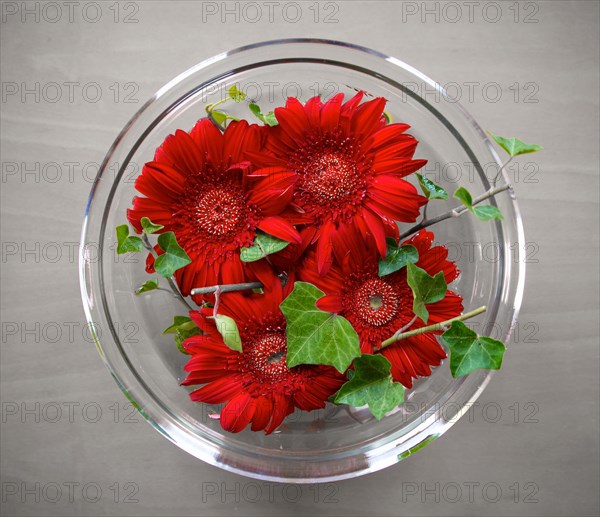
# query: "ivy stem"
[[455, 212], [500, 171], [170, 280], [226, 288], [443, 325]]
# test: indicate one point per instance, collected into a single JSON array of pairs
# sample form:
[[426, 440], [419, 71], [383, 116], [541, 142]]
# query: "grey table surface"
[[91, 457]]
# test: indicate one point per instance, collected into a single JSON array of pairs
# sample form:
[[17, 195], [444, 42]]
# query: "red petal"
[[262, 414], [330, 112], [236, 415], [325, 248], [209, 139], [330, 303], [280, 228], [376, 228], [368, 117], [281, 409], [218, 391]]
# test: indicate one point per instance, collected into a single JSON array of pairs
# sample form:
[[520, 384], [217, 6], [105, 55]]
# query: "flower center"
[[221, 211], [333, 173], [374, 302], [266, 356], [330, 177]]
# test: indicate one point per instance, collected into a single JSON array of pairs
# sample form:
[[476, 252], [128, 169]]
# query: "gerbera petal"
[[330, 303], [325, 247], [312, 108], [281, 409], [238, 412], [280, 228], [208, 138], [218, 391], [183, 152], [377, 230], [330, 112], [368, 117], [262, 413], [386, 136]]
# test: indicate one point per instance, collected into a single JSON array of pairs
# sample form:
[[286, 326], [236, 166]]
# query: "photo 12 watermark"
[[39, 492], [50, 12], [467, 11], [324, 12], [69, 92]]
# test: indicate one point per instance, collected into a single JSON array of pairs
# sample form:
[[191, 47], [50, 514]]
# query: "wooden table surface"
[[71, 80]]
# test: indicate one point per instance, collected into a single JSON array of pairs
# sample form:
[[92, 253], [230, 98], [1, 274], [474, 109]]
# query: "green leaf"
[[464, 196], [148, 285], [371, 385], [425, 288], [469, 352], [315, 336], [218, 116], [183, 327], [236, 94], [127, 243], [269, 118], [263, 245], [227, 327], [173, 258], [430, 189], [514, 146], [397, 257], [182, 334], [487, 212], [180, 323], [149, 227], [388, 117], [483, 213]]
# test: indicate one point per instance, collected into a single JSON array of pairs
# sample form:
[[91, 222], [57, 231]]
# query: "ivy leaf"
[[173, 258], [149, 227], [182, 335], [464, 196], [430, 189], [218, 116], [469, 352], [487, 212], [425, 288], [227, 327], [183, 328], [315, 336], [397, 257], [180, 323], [483, 213], [148, 285], [127, 243], [514, 146], [371, 385], [236, 94], [263, 245], [269, 118]]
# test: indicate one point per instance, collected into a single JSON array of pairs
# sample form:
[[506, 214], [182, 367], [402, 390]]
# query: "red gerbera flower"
[[378, 306], [349, 165], [256, 384], [199, 188]]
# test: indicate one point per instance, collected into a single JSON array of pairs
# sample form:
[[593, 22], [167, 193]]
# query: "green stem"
[[455, 212], [500, 171], [443, 325]]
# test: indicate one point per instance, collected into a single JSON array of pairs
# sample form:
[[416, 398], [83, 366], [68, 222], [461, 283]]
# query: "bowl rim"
[[172, 429]]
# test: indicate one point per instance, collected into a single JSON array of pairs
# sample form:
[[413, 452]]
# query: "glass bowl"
[[337, 442]]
